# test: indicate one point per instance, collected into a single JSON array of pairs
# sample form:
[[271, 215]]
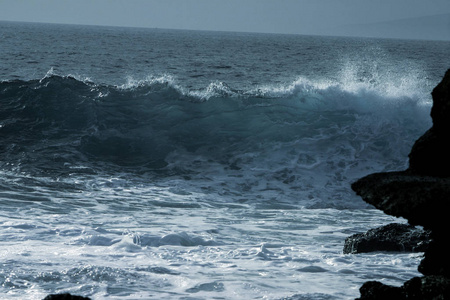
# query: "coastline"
[[418, 194]]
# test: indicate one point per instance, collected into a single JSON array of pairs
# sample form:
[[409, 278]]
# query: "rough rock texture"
[[422, 200], [65, 296], [420, 194], [391, 237]]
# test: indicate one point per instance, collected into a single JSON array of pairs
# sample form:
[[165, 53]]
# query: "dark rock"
[[391, 237], [65, 296], [436, 259], [421, 195], [441, 104], [428, 287], [374, 290], [422, 200], [417, 288], [430, 154]]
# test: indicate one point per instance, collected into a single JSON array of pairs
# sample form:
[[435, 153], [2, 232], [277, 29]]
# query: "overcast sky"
[[275, 16]]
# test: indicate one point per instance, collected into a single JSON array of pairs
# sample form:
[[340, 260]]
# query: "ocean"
[[167, 164]]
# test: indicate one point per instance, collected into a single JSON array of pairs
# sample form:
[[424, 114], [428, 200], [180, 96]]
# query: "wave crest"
[[60, 120]]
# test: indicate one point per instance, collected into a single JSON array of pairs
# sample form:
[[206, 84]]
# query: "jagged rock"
[[391, 237], [421, 195], [422, 200], [430, 155], [65, 296]]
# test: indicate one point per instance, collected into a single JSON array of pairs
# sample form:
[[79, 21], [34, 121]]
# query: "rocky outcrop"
[[422, 200], [391, 237], [421, 195], [430, 154]]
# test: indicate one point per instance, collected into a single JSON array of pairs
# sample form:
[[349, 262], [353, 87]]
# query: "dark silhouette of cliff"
[[421, 195]]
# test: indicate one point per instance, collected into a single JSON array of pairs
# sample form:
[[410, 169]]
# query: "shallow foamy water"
[[125, 243]]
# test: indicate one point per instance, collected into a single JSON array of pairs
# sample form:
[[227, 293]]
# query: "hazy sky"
[[280, 16]]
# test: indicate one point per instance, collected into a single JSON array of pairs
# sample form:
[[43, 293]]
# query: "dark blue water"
[[166, 164]]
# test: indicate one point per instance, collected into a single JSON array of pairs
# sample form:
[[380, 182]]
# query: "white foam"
[[235, 253], [164, 79]]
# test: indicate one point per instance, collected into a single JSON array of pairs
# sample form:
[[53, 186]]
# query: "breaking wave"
[[63, 124]]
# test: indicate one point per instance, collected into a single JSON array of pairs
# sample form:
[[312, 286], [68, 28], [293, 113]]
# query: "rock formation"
[[65, 296], [420, 195], [391, 237]]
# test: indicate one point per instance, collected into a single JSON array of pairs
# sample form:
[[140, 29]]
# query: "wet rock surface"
[[391, 237]]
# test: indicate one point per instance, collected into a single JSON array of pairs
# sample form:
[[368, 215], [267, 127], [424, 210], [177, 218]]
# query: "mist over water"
[[174, 164]]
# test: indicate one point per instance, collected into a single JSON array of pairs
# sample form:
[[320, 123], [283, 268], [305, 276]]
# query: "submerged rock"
[[421, 195], [65, 296], [391, 237]]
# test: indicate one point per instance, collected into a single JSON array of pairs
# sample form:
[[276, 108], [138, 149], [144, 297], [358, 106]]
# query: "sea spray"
[[281, 131]]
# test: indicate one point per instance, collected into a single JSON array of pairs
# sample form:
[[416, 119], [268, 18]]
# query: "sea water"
[[163, 164]]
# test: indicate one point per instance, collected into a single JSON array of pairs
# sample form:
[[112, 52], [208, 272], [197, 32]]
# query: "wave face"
[[302, 134]]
